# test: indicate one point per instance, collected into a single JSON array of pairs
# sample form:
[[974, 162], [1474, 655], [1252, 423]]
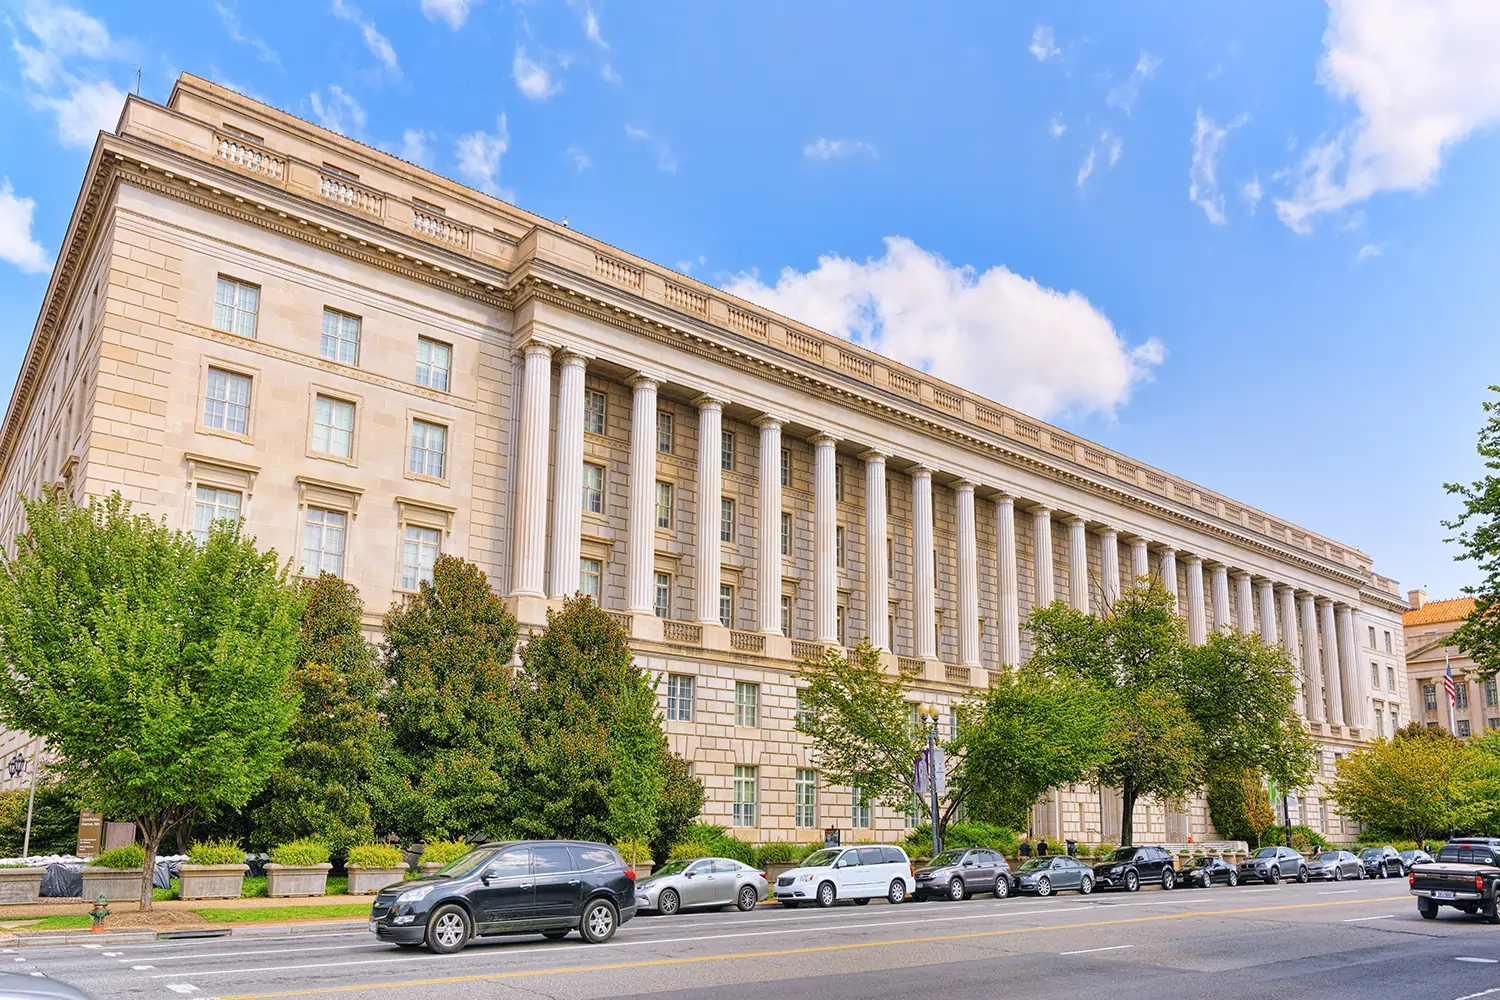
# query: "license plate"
[[1442, 894]]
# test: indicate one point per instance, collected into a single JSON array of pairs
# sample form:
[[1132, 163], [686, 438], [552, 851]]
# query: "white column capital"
[[567, 357], [919, 472], [1108, 530], [824, 440], [1040, 508], [537, 348], [873, 455], [1167, 550], [705, 401], [1193, 560], [769, 420], [964, 486], [1242, 574], [643, 379], [1073, 520]]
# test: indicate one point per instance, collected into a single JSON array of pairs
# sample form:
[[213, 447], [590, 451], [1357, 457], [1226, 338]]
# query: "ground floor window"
[[744, 795], [807, 798]]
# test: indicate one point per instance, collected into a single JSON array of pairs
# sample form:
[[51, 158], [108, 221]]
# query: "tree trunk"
[[151, 834], [1127, 816]]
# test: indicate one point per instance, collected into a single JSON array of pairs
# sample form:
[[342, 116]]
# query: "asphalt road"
[[1322, 940]]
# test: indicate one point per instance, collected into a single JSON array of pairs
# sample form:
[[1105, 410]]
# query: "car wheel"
[[1234, 878], [895, 893], [1491, 914], [1302, 875], [1168, 879], [1002, 887], [557, 934], [1338, 874], [956, 890], [1132, 881], [862, 901], [1274, 877], [826, 895], [1427, 908], [448, 929], [599, 921], [668, 903], [1044, 886], [1085, 886], [747, 898], [790, 904]]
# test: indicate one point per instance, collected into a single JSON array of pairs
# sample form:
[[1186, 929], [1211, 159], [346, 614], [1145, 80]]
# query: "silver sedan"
[[704, 882]]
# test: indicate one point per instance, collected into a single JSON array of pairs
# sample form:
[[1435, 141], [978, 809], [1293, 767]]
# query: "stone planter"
[[297, 880], [117, 884], [773, 872], [20, 885], [430, 867], [368, 881], [211, 881]]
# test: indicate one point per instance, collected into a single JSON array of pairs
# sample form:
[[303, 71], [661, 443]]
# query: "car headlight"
[[804, 878], [1116, 870], [412, 895]]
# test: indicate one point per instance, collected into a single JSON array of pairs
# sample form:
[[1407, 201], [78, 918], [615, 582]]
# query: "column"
[[640, 547], [968, 577], [1041, 561], [1169, 570], [1078, 564], [825, 526], [768, 572], [529, 568], [1221, 596], [1291, 644], [710, 493], [1109, 566], [1356, 681], [1010, 595], [1244, 600], [1197, 613], [877, 571], [923, 584], [1140, 559], [1331, 662], [1267, 594], [567, 478], [1310, 666]]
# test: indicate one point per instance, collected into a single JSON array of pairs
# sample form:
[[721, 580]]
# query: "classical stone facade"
[[368, 364], [1429, 656]]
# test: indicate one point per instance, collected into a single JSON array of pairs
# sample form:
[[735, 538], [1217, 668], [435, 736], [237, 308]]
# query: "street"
[[1324, 940]]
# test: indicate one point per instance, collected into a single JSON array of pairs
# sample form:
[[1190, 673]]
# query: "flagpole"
[[1452, 698]]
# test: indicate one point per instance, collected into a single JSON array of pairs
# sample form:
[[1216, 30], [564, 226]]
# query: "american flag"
[[1448, 686]]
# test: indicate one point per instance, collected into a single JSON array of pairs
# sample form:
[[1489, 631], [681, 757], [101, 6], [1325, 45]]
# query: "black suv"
[[1129, 868], [547, 887]]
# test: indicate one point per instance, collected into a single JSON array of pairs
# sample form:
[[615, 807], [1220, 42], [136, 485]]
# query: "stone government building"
[[255, 318]]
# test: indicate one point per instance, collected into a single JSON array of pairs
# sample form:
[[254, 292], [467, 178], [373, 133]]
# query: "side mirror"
[[690, 874], [968, 863], [489, 873]]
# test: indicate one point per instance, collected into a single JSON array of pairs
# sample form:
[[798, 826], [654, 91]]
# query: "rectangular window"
[[746, 705], [333, 427], [1491, 695], [419, 550], [1375, 675], [726, 519], [859, 808], [1492, 723], [838, 482], [429, 449], [679, 698], [663, 432], [1429, 697], [786, 614], [807, 799], [786, 467], [663, 595], [226, 402], [664, 505], [323, 542], [804, 712], [340, 341], [1372, 636], [786, 533], [744, 795], [838, 624], [591, 579], [838, 546], [1463, 727], [726, 605], [593, 488], [434, 362], [890, 630], [1388, 642], [890, 557], [1461, 693], [726, 450], [593, 411], [236, 305], [1379, 723], [887, 496], [210, 505]]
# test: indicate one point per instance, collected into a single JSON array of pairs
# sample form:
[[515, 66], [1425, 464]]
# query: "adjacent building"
[[254, 318], [1429, 657]]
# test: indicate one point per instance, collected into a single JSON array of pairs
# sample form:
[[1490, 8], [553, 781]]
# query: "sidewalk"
[[67, 922]]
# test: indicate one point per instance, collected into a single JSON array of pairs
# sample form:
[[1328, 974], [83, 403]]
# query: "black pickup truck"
[[1465, 875]]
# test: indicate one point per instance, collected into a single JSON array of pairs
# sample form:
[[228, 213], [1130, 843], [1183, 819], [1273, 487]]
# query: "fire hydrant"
[[99, 912]]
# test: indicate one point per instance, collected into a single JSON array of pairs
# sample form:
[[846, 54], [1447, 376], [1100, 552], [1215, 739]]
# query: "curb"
[[145, 934]]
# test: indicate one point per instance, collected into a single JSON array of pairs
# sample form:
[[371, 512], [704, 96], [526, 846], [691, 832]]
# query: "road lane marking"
[[810, 950], [1090, 951], [1482, 961], [1473, 996], [1383, 916], [1338, 892]]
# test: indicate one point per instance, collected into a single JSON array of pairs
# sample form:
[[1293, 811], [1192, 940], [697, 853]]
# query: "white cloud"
[[1112, 145], [479, 156], [84, 111], [1057, 128], [1040, 350], [231, 19], [59, 69], [455, 12], [590, 19], [65, 31], [665, 159], [1424, 76], [16, 243], [1252, 192], [1109, 146], [416, 147], [532, 78], [340, 112], [379, 46], [1125, 95], [610, 76], [837, 149], [686, 266], [1203, 178], [1043, 45], [581, 160], [1087, 168], [1367, 252]]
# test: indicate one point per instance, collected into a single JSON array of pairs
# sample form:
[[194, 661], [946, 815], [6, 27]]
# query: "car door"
[[1070, 873], [1148, 865], [728, 875], [985, 865], [559, 886], [698, 884], [506, 893]]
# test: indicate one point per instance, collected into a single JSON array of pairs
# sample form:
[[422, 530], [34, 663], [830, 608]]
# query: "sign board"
[[931, 764], [831, 837], [90, 833], [118, 835]]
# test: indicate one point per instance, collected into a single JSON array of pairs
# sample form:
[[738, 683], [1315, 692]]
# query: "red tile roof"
[[1434, 612]]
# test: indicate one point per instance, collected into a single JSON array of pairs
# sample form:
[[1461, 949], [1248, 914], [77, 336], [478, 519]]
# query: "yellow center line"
[[850, 946]]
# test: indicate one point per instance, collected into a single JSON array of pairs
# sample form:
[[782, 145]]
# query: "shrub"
[[300, 853], [779, 853], [1003, 839], [14, 864], [443, 851], [129, 856], [215, 852], [686, 850], [1305, 839], [633, 851], [375, 856], [718, 842]]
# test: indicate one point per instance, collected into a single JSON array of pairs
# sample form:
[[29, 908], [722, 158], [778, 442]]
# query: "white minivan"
[[857, 873]]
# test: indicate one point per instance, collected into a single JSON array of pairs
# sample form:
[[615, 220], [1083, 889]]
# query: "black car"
[[1204, 872], [1416, 856], [1129, 868], [1382, 862], [959, 873], [547, 887]]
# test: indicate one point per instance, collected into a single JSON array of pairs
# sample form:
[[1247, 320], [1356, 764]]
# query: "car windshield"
[[674, 868], [1370, 852], [1266, 852], [1328, 856], [1202, 863], [470, 862], [821, 859], [1408, 855], [1036, 863], [947, 858], [1121, 854]]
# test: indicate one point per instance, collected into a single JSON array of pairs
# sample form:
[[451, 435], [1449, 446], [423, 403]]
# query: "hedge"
[[215, 852], [300, 853], [129, 856], [376, 856], [444, 851]]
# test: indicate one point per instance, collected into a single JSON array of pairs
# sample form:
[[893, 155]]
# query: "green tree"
[[1422, 782], [153, 667], [1477, 532], [1239, 804], [321, 789], [449, 707], [680, 804], [54, 819]]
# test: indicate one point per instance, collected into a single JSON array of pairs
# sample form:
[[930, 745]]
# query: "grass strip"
[[284, 913], [61, 922]]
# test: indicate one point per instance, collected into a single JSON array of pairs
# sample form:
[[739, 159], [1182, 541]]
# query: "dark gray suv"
[[960, 873]]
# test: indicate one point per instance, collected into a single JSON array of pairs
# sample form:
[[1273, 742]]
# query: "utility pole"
[[929, 716], [30, 802]]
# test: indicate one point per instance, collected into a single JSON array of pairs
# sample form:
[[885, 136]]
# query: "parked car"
[[959, 873], [1272, 864], [1044, 876], [1414, 857], [1335, 865], [547, 887], [1129, 868], [857, 873], [1204, 872], [14, 986], [701, 882], [1382, 862], [1465, 875]]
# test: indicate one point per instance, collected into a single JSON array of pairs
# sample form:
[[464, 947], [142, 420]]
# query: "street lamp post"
[[929, 716], [17, 766]]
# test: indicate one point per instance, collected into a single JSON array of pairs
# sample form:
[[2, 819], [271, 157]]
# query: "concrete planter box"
[[773, 872], [20, 885], [117, 884], [211, 881], [430, 867], [368, 881], [297, 880]]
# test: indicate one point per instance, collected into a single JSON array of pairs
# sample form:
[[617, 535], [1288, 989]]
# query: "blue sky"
[[1248, 242]]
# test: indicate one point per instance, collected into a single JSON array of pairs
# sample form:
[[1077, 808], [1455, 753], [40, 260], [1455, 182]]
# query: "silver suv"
[[1272, 864]]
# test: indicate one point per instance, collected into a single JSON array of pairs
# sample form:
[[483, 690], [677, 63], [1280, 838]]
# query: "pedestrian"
[[1025, 849], [1041, 848]]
